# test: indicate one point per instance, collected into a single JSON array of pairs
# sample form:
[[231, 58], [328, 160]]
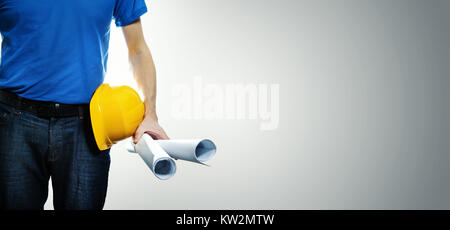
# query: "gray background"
[[364, 104]]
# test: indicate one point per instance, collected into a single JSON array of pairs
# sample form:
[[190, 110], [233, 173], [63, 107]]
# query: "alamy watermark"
[[229, 101]]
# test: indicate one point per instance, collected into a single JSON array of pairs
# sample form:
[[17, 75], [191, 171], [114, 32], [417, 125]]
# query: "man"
[[54, 56]]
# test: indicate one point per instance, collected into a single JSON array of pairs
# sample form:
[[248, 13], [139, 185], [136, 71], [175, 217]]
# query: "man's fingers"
[[164, 135], [157, 134], [154, 130], [153, 134]]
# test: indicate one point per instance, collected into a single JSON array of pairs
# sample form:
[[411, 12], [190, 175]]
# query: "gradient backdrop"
[[363, 104]]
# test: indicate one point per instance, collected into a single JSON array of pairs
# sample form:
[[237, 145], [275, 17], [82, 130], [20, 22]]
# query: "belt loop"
[[19, 100], [56, 110], [81, 112]]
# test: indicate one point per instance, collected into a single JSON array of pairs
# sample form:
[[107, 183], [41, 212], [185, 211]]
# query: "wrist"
[[151, 113], [150, 109]]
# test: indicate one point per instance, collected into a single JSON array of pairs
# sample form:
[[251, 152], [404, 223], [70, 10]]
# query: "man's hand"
[[150, 126]]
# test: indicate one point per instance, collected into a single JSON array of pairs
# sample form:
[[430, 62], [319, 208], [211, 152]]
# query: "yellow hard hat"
[[116, 113]]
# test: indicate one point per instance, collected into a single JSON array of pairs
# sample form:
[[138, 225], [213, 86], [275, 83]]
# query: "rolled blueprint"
[[197, 150], [155, 157]]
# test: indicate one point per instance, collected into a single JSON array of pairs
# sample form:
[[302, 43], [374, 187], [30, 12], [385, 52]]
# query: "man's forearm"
[[145, 75]]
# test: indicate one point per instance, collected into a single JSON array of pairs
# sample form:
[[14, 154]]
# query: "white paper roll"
[[155, 157], [197, 150]]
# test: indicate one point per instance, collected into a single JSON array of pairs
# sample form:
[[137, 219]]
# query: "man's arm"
[[145, 75]]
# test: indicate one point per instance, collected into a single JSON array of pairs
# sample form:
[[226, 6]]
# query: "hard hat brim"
[[97, 121]]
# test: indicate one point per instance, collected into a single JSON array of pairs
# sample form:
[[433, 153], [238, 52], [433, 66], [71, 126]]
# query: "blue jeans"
[[33, 149]]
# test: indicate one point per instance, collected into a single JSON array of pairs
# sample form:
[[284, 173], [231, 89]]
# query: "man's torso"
[[54, 50]]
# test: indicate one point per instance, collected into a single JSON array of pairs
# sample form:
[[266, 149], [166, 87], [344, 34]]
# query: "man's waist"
[[43, 109]]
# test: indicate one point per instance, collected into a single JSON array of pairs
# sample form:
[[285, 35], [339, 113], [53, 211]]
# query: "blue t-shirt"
[[57, 50]]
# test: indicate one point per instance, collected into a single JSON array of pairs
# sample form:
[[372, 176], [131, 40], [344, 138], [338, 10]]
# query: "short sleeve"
[[128, 11]]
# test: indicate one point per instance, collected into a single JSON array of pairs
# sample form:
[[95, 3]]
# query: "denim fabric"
[[33, 149]]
